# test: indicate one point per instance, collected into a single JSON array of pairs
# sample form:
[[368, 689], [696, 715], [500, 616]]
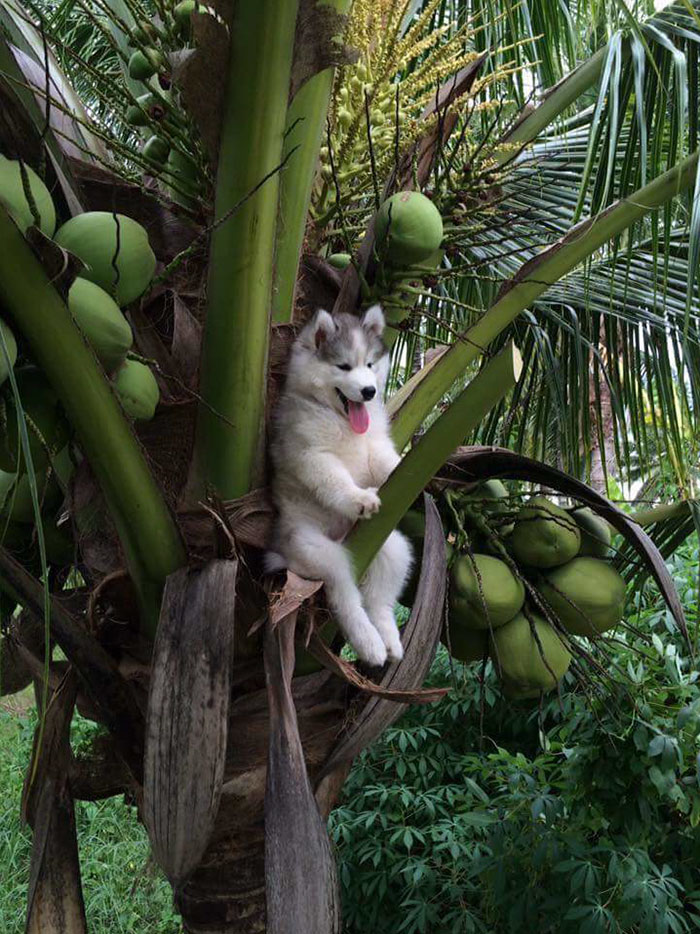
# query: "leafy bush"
[[481, 815]]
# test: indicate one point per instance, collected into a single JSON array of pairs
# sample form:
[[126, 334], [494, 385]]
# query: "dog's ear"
[[322, 327], [373, 321]]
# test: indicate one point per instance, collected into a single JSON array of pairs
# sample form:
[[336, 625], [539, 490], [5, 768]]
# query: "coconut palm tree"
[[571, 229]]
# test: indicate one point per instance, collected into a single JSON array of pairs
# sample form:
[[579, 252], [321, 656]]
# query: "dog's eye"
[[344, 366], [370, 365]]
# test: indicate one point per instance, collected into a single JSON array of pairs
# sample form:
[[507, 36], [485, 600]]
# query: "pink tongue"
[[359, 417]]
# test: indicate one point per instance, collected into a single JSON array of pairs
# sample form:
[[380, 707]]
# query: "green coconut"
[[100, 319], [596, 591], [135, 116], [596, 534], [544, 535], [183, 11], [12, 197], [93, 238], [156, 150], [519, 660], [144, 64], [340, 260], [484, 592], [466, 645], [144, 32], [408, 228], [137, 389], [181, 179], [149, 106], [491, 498], [7, 362], [47, 427]]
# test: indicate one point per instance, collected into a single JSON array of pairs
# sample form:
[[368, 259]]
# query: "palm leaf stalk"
[[429, 454], [306, 123], [555, 102], [146, 528], [241, 258], [418, 397]]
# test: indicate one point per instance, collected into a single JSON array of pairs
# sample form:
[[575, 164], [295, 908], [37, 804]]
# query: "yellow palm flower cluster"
[[383, 96]]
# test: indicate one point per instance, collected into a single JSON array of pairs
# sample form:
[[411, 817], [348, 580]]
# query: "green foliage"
[[576, 819]]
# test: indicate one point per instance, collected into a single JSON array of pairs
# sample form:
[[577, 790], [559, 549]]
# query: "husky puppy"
[[331, 450]]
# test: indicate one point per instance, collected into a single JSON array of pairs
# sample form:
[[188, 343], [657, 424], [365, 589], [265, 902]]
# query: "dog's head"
[[343, 362]]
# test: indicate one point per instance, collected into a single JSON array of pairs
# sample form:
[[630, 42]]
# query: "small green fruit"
[[93, 238], [143, 32], [12, 197], [586, 594], [143, 65], [181, 177], [544, 535], [484, 593], [340, 260], [408, 228], [137, 389], [182, 13], [491, 498], [135, 116], [596, 535], [153, 106], [103, 325], [345, 117], [156, 150], [519, 660]]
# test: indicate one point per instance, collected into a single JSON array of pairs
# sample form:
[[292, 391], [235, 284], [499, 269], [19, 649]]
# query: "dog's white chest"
[[355, 453]]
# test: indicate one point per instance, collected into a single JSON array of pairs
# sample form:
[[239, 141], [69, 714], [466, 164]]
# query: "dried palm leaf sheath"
[[188, 709], [55, 900], [300, 877]]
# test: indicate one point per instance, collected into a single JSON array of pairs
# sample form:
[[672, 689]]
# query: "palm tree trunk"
[[601, 419], [227, 894]]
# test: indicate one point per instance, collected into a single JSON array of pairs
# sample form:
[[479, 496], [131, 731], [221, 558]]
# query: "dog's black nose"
[[369, 392]]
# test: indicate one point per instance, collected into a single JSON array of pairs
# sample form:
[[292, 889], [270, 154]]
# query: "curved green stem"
[[423, 391], [306, 122], [242, 255], [421, 463], [147, 530]]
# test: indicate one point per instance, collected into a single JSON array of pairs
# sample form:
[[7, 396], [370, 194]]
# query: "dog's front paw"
[[394, 649], [367, 502], [370, 648]]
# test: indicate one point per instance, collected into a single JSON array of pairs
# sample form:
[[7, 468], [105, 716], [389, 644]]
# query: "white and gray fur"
[[326, 476]]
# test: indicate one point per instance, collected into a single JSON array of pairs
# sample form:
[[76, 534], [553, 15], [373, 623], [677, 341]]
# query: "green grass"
[[124, 891]]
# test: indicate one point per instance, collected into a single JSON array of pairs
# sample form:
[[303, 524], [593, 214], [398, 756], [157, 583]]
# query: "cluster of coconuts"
[[408, 234], [529, 580], [149, 64], [118, 266]]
